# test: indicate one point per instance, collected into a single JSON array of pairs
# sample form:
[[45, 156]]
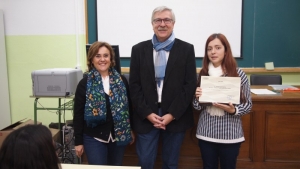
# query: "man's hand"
[[156, 121], [167, 118]]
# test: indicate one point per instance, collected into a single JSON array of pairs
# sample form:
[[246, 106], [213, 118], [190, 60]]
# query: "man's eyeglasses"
[[159, 21]]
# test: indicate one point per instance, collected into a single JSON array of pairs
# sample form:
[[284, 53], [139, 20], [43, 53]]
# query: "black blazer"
[[101, 131], [178, 88]]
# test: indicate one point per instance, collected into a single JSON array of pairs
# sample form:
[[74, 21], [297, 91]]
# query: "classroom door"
[[5, 117]]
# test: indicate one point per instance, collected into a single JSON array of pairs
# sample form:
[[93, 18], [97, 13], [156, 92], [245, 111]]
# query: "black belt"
[[158, 105]]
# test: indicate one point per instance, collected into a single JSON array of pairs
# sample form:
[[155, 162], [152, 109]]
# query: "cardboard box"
[[7, 130], [55, 134]]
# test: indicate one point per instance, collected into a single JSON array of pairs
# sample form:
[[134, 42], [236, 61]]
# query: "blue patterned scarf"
[[95, 106], [160, 59]]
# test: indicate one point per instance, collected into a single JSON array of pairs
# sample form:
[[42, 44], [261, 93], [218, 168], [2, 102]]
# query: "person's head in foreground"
[[29, 147]]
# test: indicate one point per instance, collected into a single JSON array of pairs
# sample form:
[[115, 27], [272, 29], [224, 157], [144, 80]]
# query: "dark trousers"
[[99, 153], [146, 148], [213, 152]]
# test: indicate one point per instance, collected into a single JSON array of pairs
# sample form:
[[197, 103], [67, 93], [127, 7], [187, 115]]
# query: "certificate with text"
[[220, 89]]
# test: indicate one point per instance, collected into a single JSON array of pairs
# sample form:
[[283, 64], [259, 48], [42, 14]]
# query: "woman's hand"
[[198, 92], [133, 138], [79, 150], [228, 108]]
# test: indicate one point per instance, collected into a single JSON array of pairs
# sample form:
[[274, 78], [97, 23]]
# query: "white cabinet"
[[5, 117]]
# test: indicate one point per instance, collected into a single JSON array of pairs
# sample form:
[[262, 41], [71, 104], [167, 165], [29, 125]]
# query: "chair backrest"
[[126, 75], [265, 79]]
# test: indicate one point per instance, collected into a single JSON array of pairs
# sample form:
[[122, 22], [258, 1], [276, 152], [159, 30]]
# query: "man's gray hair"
[[161, 9]]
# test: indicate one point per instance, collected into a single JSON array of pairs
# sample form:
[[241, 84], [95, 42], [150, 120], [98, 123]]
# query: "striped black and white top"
[[227, 128]]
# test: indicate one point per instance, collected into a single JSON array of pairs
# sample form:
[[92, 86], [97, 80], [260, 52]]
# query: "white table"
[[83, 166]]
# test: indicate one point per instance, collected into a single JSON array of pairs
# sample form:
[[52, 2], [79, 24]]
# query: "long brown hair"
[[229, 65]]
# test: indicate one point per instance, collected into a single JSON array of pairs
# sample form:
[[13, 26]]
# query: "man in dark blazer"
[[162, 84]]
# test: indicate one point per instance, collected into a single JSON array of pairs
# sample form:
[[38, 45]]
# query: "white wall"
[[46, 17], [40, 34]]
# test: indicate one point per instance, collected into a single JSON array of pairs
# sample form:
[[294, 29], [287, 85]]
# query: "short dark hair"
[[93, 50], [29, 147]]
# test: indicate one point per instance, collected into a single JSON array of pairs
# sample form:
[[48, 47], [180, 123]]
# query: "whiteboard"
[[126, 23], [47, 17]]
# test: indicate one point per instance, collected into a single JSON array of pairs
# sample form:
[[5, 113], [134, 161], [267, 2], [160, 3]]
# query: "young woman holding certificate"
[[219, 129]]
